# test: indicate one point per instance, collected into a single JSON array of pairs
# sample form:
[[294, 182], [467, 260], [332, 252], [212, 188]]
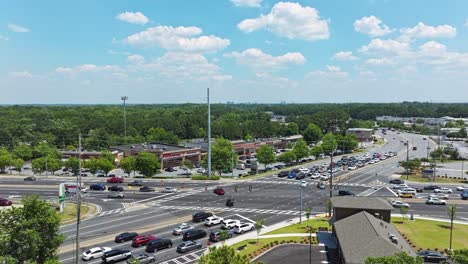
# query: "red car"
[[142, 240], [115, 180], [5, 202], [219, 191]]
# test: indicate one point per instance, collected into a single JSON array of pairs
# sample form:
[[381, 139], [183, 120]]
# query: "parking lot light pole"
[[331, 174], [300, 213]]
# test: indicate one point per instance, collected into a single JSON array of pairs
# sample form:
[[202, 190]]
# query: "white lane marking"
[[248, 219], [394, 193]]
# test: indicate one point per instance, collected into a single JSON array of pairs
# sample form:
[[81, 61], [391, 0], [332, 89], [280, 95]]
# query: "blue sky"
[[169, 51]]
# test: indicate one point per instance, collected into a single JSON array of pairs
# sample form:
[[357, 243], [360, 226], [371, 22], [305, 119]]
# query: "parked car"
[[229, 223], [97, 187], [215, 235], [431, 187], [5, 202], [115, 180], [402, 194], [169, 190], [436, 201], [243, 227], [409, 190], [431, 256], [135, 183], [213, 220], [194, 234], [315, 175], [181, 229], [345, 193], [439, 195], [95, 252], [400, 186], [158, 244], [443, 190], [219, 191], [30, 178], [116, 255], [115, 188], [116, 195], [188, 246], [146, 189], [283, 174], [399, 204], [142, 259], [200, 216], [142, 240], [464, 195], [462, 188], [127, 236]]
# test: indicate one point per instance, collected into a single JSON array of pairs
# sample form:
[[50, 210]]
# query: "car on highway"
[[400, 186], [213, 220], [127, 236], [405, 194], [439, 195], [116, 195], [115, 180], [200, 216], [135, 183], [464, 195], [215, 235], [408, 190], [30, 178], [97, 187], [142, 259], [399, 204], [243, 227], [397, 181], [146, 189], [283, 174], [181, 229], [443, 190], [142, 240], [435, 200], [418, 189], [5, 202], [169, 190], [116, 255], [431, 187], [345, 193], [115, 188], [158, 244], [352, 167], [218, 191], [188, 246], [194, 234], [229, 223], [431, 256], [462, 188], [95, 252]]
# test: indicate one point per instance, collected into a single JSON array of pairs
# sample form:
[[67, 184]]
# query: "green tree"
[[127, 164], [223, 255], [462, 133], [73, 164], [329, 206], [248, 137], [159, 134], [92, 165], [17, 164], [147, 164], [287, 157], [105, 165], [308, 211], [23, 151], [460, 256], [292, 129], [411, 165], [329, 143], [316, 151], [258, 227], [5, 160], [312, 133], [265, 154], [451, 211], [301, 150], [38, 165], [400, 258], [43, 149], [222, 154], [108, 156], [53, 164], [223, 235], [403, 212], [30, 233]]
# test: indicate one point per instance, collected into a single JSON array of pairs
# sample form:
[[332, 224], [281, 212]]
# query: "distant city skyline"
[[246, 51]]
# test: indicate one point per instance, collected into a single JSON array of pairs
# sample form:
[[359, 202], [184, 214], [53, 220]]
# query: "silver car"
[[142, 259], [181, 229], [116, 195], [169, 190], [188, 246]]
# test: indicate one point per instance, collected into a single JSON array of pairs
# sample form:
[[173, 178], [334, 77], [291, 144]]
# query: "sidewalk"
[[288, 235], [461, 222]]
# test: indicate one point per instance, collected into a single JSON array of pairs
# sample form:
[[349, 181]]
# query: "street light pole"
[[124, 99], [78, 204], [232, 154], [209, 132], [463, 160], [300, 213], [331, 174], [407, 159]]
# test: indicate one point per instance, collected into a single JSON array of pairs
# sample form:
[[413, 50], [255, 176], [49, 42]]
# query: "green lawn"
[[418, 178], [301, 228], [69, 212], [427, 234], [252, 245]]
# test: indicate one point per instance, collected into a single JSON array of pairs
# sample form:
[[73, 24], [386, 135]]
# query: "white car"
[[181, 229], [213, 220], [443, 190], [169, 190], [324, 177], [116, 195], [304, 170], [243, 227], [436, 201], [229, 223], [439, 196], [303, 184], [399, 204], [95, 253], [400, 186], [201, 170], [462, 188], [315, 176], [352, 167]]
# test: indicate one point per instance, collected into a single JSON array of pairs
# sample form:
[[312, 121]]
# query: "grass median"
[[69, 212], [252, 245], [419, 178], [301, 228]]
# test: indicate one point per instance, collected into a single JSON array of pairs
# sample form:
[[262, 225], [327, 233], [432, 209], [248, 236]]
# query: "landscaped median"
[[69, 212], [252, 248], [441, 179]]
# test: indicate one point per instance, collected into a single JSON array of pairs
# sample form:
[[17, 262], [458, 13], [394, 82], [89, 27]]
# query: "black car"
[[431, 187], [431, 256], [170, 169], [194, 234], [283, 174], [397, 181], [30, 178], [200, 216], [345, 193], [158, 244], [127, 236], [146, 189], [135, 183], [418, 189], [115, 188], [215, 235], [300, 176], [279, 166], [97, 187]]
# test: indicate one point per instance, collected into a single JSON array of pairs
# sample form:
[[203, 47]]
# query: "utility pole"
[[78, 204], [407, 159], [124, 99], [209, 132], [463, 160], [331, 174], [232, 154], [300, 213]]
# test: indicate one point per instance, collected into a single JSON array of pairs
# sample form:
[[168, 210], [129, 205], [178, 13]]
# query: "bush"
[[205, 177]]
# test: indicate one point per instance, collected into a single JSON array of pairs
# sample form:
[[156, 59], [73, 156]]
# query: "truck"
[[71, 187]]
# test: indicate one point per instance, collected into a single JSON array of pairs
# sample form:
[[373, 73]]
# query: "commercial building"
[[344, 206], [362, 134], [90, 154]]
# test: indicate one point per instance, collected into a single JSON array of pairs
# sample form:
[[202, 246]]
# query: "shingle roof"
[[363, 235], [361, 202]]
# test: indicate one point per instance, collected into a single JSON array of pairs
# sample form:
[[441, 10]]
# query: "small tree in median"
[[258, 228], [403, 212], [308, 210]]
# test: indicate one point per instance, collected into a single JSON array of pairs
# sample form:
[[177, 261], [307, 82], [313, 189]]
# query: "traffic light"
[[250, 188]]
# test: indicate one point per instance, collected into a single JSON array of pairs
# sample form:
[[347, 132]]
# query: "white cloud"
[[178, 39], [380, 61], [259, 60], [4, 38], [247, 3], [345, 56], [433, 47], [133, 18], [89, 68], [330, 72], [290, 20], [135, 59], [388, 45], [21, 74], [18, 28], [424, 31], [371, 26]]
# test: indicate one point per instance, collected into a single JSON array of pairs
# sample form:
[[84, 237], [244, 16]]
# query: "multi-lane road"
[[269, 198]]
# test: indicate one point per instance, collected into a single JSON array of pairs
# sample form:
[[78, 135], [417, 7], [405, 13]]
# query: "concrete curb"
[[289, 235], [461, 222]]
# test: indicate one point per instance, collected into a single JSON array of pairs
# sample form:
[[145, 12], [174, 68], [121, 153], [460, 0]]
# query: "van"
[[411, 191], [158, 244], [116, 255]]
